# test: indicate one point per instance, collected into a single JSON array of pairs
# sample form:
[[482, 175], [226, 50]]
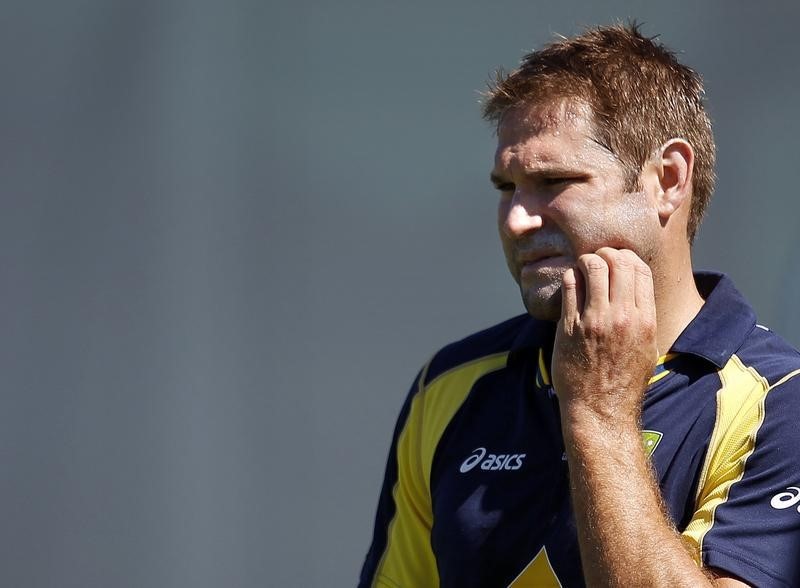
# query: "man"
[[636, 426]]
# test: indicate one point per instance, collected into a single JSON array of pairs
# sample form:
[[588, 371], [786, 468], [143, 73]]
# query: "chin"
[[543, 303]]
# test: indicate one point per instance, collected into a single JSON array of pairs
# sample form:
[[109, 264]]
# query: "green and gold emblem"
[[650, 440]]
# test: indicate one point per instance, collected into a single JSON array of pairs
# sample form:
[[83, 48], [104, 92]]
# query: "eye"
[[557, 181], [506, 187]]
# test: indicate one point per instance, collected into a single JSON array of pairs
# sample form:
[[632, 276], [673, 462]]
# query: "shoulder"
[[494, 341], [759, 391], [770, 357], [779, 364], [460, 363], [743, 522]]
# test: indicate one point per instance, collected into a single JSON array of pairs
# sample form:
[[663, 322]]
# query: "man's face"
[[562, 194]]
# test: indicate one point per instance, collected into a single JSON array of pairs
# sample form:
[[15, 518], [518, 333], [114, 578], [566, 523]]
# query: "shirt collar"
[[718, 330], [723, 323]]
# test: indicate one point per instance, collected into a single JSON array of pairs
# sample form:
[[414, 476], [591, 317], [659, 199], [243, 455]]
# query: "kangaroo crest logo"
[[650, 440]]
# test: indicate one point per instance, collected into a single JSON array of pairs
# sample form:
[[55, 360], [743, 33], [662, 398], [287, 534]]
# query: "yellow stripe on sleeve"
[[740, 414], [408, 559], [445, 395]]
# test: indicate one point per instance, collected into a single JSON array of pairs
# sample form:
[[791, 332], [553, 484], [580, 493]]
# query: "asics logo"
[[786, 499], [491, 461]]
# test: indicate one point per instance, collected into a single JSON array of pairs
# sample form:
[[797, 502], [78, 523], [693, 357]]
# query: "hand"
[[605, 346]]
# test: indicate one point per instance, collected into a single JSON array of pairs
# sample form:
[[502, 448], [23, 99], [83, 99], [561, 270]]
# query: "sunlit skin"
[[562, 194]]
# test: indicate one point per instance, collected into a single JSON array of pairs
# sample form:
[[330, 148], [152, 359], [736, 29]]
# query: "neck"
[[677, 302]]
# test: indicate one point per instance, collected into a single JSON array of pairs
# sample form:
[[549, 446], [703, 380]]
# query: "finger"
[[646, 302], [644, 294], [621, 275], [570, 311], [595, 277], [580, 290]]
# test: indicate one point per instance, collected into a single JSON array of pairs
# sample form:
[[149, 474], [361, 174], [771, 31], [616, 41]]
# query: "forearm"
[[625, 537]]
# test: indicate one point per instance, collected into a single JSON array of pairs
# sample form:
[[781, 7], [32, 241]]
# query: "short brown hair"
[[639, 94]]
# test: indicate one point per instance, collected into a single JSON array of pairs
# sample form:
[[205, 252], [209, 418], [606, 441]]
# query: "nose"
[[519, 219]]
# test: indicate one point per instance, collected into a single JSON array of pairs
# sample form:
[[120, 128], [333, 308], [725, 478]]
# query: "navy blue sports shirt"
[[476, 491]]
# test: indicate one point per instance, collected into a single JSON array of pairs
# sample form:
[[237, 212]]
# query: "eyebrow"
[[545, 172]]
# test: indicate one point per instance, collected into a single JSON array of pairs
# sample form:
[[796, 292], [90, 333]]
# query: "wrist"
[[578, 418], [588, 433]]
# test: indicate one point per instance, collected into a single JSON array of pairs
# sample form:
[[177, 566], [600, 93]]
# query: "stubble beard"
[[542, 297]]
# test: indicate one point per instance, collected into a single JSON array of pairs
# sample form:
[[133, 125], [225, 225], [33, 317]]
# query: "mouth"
[[541, 258], [543, 265]]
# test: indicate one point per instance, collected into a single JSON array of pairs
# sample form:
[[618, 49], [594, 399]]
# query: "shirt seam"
[[743, 559]]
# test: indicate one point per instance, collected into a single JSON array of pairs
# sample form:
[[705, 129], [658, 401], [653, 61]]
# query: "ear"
[[674, 164]]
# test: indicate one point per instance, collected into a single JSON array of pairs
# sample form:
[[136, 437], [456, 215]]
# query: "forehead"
[[540, 117], [560, 132]]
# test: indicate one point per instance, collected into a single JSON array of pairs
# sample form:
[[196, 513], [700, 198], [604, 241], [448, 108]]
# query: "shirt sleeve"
[[400, 554], [747, 521]]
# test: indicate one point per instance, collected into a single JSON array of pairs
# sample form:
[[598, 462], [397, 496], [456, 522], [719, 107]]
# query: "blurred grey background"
[[231, 232]]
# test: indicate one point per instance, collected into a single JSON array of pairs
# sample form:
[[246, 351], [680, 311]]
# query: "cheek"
[[580, 219], [624, 223], [632, 225], [638, 215]]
